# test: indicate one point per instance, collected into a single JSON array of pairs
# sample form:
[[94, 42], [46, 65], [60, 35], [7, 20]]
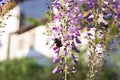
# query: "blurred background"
[[24, 54]]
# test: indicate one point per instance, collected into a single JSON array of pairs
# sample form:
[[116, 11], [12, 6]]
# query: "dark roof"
[[27, 28]]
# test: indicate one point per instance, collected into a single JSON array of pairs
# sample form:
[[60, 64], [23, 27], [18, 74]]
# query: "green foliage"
[[27, 69], [23, 69], [109, 73]]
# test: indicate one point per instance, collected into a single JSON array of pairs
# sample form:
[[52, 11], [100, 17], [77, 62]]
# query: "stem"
[[92, 74], [65, 74], [50, 10], [66, 67]]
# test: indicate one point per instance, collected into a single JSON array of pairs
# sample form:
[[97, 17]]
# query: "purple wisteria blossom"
[[73, 69], [100, 18], [57, 70], [119, 26], [66, 28]]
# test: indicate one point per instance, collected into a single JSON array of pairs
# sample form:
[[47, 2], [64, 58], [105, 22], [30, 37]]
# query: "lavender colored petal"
[[88, 15], [65, 52], [89, 34], [118, 15], [67, 37], [56, 59], [73, 69], [56, 49], [73, 56], [56, 29], [119, 26], [56, 70], [93, 1], [75, 48], [56, 17], [89, 19], [77, 40], [76, 61], [67, 44], [72, 36], [86, 8], [71, 29], [77, 33]]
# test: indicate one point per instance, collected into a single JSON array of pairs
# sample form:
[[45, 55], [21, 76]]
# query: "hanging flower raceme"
[[66, 27], [101, 19]]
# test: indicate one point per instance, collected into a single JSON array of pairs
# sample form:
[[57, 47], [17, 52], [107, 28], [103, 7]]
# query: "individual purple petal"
[[116, 4], [73, 56], [77, 33], [73, 69], [56, 70], [56, 59], [119, 26], [90, 43], [105, 22], [67, 44], [91, 5], [72, 36], [86, 8], [93, 1], [57, 29], [56, 49], [67, 37], [71, 30], [88, 15], [75, 48], [73, 45], [77, 40], [89, 34], [70, 1], [56, 16], [88, 27], [89, 19], [65, 51], [118, 15], [76, 61]]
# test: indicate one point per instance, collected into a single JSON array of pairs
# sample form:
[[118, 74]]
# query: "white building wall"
[[35, 39], [41, 40], [12, 25]]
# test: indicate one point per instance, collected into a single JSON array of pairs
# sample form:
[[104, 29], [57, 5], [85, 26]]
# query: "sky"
[[34, 8]]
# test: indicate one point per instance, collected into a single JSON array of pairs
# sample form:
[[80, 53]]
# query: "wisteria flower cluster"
[[101, 19], [66, 27]]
